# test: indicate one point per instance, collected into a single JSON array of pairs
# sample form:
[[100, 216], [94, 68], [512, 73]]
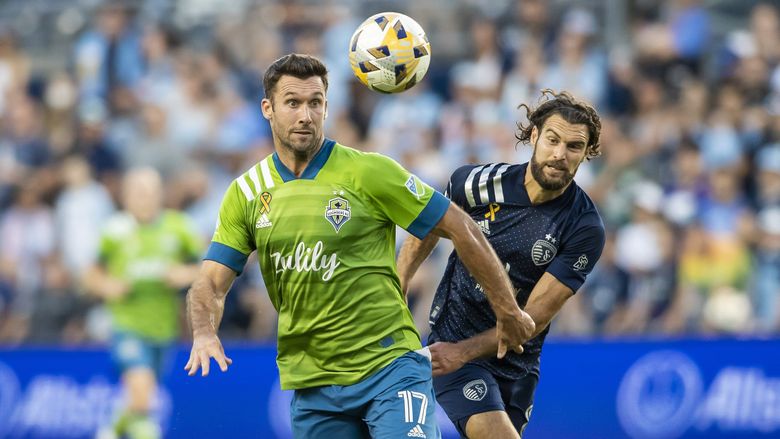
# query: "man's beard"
[[550, 184], [300, 150]]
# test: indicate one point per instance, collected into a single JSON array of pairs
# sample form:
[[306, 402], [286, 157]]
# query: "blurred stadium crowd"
[[689, 183]]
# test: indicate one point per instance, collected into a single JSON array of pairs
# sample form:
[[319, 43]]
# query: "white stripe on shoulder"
[[245, 187], [483, 191], [499, 190], [255, 179], [468, 184], [267, 179]]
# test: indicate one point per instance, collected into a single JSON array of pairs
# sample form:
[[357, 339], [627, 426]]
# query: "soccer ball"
[[389, 52]]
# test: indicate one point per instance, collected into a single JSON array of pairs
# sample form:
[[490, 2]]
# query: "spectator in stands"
[[108, 57], [27, 238], [14, 68], [643, 250], [82, 207]]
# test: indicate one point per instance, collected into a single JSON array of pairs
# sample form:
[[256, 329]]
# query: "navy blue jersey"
[[563, 236]]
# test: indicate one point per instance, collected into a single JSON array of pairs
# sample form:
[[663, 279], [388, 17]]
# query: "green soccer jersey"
[[140, 254], [326, 246]]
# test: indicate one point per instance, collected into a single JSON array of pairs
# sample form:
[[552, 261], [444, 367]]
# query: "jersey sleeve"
[[191, 243], [402, 197], [456, 189], [232, 241], [112, 236], [578, 257]]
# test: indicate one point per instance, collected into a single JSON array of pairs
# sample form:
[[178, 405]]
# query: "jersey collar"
[[525, 199], [312, 169]]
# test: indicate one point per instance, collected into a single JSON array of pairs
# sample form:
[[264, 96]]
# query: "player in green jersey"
[[146, 257], [322, 219]]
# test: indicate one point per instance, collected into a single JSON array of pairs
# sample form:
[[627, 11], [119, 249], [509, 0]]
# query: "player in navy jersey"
[[548, 234]]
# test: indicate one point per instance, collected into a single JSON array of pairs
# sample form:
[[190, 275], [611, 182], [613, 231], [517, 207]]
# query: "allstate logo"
[[659, 395], [9, 394]]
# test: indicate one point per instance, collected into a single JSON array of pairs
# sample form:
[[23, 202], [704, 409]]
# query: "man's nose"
[[304, 115], [559, 151]]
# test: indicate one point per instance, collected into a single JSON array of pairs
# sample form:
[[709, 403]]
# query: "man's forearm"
[[204, 307], [485, 343], [412, 254], [482, 345], [471, 248]]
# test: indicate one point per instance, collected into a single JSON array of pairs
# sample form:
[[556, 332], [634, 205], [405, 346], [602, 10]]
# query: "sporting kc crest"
[[475, 390], [338, 212], [544, 250]]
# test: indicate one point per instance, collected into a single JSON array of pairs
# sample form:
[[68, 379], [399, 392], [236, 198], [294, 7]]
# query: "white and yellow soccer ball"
[[389, 52]]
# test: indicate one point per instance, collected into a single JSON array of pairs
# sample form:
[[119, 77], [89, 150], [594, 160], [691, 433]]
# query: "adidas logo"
[[263, 222], [417, 431], [484, 226]]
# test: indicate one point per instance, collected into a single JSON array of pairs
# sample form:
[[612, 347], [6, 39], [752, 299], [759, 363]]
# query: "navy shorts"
[[472, 389]]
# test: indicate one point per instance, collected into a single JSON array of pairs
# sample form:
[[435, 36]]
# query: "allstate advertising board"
[[594, 389]]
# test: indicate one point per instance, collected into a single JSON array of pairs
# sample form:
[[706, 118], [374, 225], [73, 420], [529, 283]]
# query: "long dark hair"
[[570, 109]]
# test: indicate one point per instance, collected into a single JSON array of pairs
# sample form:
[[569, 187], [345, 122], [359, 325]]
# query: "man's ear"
[[534, 135], [267, 107]]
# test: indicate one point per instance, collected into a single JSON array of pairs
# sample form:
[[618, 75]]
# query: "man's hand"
[[114, 289], [180, 276], [446, 357], [204, 348], [513, 330]]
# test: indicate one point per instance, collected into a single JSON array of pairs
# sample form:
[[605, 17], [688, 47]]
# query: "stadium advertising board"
[[638, 390]]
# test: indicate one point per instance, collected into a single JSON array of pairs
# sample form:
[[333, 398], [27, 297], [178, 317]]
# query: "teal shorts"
[[130, 351], [396, 402]]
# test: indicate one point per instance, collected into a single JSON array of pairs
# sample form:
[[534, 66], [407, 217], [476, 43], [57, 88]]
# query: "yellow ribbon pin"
[[494, 207], [265, 198]]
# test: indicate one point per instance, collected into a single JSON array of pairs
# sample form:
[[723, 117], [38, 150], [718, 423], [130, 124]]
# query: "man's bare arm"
[[413, 252], [97, 282], [546, 300], [205, 304]]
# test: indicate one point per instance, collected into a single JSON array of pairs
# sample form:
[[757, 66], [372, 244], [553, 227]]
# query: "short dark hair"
[[294, 64], [571, 110]]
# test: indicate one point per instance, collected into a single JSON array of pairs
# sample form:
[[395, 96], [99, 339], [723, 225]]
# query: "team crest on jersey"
[[338, 212], [544, 250], [415, 186], [475, 390]]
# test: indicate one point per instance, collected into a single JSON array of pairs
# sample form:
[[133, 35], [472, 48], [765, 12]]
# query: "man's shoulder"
[[358, 157], [484, 170], [364, 166], [174, 219], [481, 184], [585, 212], [120, 225]]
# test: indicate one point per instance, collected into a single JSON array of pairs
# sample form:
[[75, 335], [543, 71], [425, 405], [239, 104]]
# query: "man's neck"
[[536, 193], [294, 161]]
